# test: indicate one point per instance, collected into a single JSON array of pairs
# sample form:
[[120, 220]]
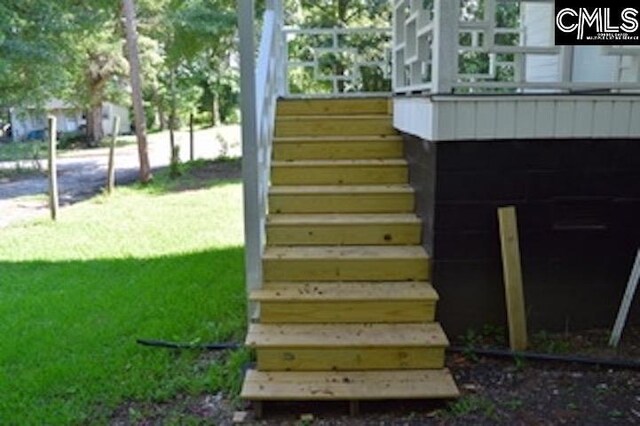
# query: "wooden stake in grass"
[[111, 171], [53, 169], [512, 273]]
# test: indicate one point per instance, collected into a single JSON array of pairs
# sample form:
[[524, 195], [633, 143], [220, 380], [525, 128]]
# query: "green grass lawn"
[[157, 263], [13, 151]]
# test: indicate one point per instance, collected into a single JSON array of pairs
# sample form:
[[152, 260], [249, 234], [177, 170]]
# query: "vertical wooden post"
[[53, 168], [621, 319], [191, 137], [512, 273], [111, 171]]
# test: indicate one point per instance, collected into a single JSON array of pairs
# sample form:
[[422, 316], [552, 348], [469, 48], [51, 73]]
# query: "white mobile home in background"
[[70, 118]]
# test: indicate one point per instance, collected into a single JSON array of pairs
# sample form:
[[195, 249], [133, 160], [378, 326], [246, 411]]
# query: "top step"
[[346, 106]]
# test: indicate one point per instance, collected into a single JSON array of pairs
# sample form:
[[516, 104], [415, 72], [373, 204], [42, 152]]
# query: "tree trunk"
[[191, 138], [172, 113], [136, 90], [162, 117], [95, 133], [215, 109]]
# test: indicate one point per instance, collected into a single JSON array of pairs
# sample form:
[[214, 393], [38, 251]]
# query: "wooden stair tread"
[[325, 336], [342, 219], [383, 162], [336, 117], [329, 138], [331, 106], [331, 253], [344, 291], [348, 385], [339, 189]]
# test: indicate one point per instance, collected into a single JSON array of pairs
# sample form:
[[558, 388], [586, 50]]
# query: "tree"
[[33, 51], [199, 36], [136, 89], [75, 51]]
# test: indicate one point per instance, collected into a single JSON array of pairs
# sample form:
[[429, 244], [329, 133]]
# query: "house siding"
[[578, 206]]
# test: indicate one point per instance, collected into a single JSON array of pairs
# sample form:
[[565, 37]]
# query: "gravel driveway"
[[82, 173]]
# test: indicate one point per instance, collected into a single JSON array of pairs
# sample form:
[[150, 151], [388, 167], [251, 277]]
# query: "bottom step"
[[348, 385]]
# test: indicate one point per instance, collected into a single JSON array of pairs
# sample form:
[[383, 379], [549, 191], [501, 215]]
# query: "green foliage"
[[546, 342], [77, 293], [32, 51], [472, 405]]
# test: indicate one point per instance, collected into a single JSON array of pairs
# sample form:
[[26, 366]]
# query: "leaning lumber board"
[[626, 302], [512, 272]]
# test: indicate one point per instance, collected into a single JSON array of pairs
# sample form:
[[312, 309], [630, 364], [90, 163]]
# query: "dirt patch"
[[203, 174], [183, 409]]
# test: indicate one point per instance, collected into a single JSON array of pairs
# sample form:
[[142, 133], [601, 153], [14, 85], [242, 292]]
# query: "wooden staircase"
[[346, 309]]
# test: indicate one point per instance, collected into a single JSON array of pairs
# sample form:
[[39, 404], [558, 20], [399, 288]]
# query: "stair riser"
[[341, 203], [334, 127], [347, 234], [379, 269], [347, 312], [337, 150], [333, 107], [286, 175], [349, 359]]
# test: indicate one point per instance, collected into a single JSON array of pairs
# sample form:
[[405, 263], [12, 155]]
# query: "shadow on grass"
[[69, 331], [195, 175]]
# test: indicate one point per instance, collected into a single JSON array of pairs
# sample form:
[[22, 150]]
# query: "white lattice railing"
[[471, 46], [261, 84], [337, 61]]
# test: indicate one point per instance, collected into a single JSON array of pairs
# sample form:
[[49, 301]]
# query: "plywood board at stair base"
[[334, 125], [341, 199], [365, 385], [337, 147], [336, 172], [362, 106], [346, 229]]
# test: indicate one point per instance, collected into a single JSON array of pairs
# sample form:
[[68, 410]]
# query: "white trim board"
[[442, 118]]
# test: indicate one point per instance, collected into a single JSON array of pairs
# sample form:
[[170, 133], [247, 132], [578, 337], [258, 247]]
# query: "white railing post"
[[445, 46], [281, 66], [250, 177]]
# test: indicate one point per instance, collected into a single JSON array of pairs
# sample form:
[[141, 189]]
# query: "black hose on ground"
[[534, 356], [177, 345]]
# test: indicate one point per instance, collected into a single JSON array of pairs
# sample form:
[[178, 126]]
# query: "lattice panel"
[[492, 45], [413, 44], [628, 69], [338, 60]]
